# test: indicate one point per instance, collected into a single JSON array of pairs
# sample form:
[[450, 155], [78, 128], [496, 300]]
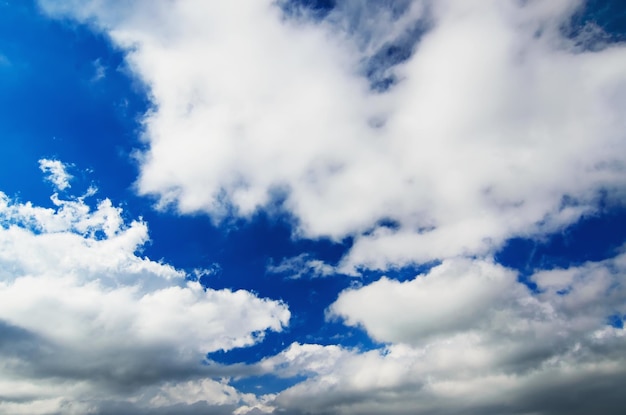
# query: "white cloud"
[[497, 119], [468, 338], [87, 323], [454, 296], [463, 297], [447, 379], [56, 173], [303, 359], [498, 126]]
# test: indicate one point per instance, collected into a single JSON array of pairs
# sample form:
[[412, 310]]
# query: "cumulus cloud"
[[88, 324], [454, 296], [56, 173], [462, 297], [468, 338], [446, 379], [498, 124]]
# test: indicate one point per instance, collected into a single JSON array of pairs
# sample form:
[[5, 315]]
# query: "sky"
[[312, 207]]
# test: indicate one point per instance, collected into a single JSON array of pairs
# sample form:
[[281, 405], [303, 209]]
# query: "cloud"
[[87, 323], [454, 296], [462, 297], [300, 266], [303, 359], [468, 338], [490, 123], [403, 381], [498, 124], [56, 173], [100, 71]]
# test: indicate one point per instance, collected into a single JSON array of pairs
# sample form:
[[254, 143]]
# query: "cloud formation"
[[494, 124], [300, 266], [56, 173], [86, 320], [467, 337], [498, 125]]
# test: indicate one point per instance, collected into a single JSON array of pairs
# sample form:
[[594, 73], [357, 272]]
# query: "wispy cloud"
[[56, 173], [300, 266], [100, 70]]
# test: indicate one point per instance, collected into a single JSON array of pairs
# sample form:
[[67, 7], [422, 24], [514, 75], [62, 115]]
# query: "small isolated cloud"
[[86, 324], [99, 70], [300, 266], [56, 173], [198, 273]]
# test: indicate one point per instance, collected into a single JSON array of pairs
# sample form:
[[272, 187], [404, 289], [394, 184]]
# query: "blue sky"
[[312, 207]]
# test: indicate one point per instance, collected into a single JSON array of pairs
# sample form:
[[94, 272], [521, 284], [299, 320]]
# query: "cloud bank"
[[84, 317]]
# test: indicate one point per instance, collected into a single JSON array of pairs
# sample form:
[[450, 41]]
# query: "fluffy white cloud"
[[468, 338], [299, 359], [466, 297], [499, 125], [455, 296], [86, 323]]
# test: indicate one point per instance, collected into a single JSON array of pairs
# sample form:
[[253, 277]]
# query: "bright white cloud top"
[[498, 125]]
